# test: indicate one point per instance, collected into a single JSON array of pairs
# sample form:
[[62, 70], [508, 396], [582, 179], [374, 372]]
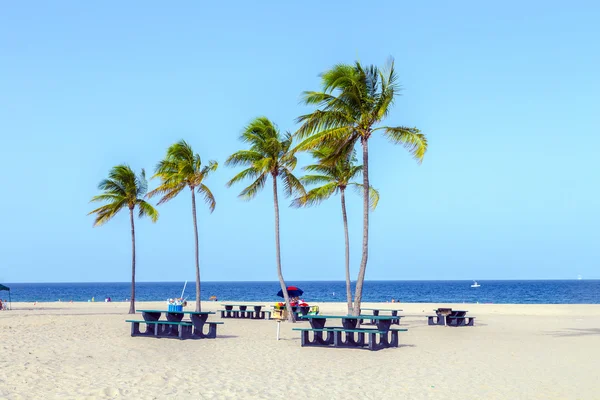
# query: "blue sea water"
[[519, 292]]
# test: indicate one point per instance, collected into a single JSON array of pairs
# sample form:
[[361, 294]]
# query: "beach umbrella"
[[293, 291], [2, 287]]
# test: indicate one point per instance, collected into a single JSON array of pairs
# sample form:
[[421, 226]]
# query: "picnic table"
[[344, 336], [376, 311], [174, 326], [449, 317], [243, 311]]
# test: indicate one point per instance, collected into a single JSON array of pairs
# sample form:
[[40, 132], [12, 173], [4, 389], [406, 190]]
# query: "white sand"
[[84, 350]]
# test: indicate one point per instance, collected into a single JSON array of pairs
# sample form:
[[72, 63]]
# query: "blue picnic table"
[[449, 317], [250, 311], [353, 334], [174, 326]]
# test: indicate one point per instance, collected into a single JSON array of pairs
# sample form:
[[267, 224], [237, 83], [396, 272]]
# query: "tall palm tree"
[[124, 189], [351, 106], [334, 178], [182, 168], [269, 155]]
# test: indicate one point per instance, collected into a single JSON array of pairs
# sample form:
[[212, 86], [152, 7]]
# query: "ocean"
[[519, 292]]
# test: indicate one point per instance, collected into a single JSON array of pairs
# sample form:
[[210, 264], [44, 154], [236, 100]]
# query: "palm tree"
[[335, 178], [351, 106], [269, 155], [124, 189], [182, 168]]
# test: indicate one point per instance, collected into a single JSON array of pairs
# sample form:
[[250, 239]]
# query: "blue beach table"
[[173, 326]]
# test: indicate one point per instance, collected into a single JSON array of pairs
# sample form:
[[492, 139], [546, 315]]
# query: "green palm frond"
[[182, 168], [145, 209], [329, 137], [208, 197], [243, 157], [316, 196], [332, 176], [251, 173], [270, 153], [316, 179], [411, 138], [291, 184], [373, 194], [122, 189], [353, 101], [252, 190], [106, 212]]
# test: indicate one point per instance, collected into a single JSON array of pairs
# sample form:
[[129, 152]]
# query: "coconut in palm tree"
[[351, 107], [269, 156], [182, 168], [333, 177], [123, 189]]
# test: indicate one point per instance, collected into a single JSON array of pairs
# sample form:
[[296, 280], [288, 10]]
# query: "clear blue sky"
[[507, 94]]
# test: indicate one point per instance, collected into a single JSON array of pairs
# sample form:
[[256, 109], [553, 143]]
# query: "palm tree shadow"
[[575, 332]]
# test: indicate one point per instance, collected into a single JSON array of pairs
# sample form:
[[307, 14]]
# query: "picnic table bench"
[[449, 317], [350, 334], [249, 311], [173, 326]]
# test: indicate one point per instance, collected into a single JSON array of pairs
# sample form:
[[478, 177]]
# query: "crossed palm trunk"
[[291, 317], [132, 301]]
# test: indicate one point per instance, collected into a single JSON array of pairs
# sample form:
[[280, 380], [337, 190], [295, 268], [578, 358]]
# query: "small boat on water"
[[475, 284]]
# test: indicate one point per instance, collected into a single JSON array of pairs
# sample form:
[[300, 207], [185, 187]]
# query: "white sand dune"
[[84, 351]]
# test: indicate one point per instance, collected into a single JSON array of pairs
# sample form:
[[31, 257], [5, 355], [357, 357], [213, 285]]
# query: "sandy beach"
[[84, 350]]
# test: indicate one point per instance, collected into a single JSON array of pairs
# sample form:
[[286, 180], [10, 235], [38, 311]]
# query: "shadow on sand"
[[573, 332]]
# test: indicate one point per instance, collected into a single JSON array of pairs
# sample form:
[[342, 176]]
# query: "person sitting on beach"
[[1, 305]]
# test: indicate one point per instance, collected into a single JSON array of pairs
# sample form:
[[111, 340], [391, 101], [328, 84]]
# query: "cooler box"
[[174, 308], [280, 313]]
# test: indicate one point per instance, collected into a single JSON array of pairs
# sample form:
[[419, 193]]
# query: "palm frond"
[[122, 189], [373, 194], [291, 184], [168, 191], [251, 173], [316, 196], [180, 168], [208, 197], [316, 179], [252, 190], [243, 157], [411, 138], [106, 212], [145, 209]]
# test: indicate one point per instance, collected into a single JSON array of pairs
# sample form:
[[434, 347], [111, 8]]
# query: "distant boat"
[[579, 277], [475, 284]]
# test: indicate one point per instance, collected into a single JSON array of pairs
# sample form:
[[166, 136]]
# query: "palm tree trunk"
[[278, 253], [132, 301], [348, 283], [198, 302], [365, 243]]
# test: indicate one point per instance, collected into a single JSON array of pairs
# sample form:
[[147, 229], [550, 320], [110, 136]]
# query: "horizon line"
[[324, 280]]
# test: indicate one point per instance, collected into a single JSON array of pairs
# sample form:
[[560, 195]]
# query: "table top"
[[177, 312], [380, 317], [380, 309], [242, 305]]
